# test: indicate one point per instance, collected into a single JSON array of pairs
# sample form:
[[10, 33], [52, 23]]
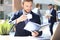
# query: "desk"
[[21, 38]]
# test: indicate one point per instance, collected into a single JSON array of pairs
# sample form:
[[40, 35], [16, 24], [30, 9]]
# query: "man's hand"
[[48, 16], [21, 18], [35, 34]]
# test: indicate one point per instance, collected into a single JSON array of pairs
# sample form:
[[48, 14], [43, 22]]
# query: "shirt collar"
[[51, 9]]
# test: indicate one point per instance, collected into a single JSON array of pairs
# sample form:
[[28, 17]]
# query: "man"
[[21, 19], [51, 17]]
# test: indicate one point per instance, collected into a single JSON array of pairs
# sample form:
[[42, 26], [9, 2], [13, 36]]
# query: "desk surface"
[[21, 38]]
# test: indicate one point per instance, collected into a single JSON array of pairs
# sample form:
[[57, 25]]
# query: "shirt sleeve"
[[13, 17]]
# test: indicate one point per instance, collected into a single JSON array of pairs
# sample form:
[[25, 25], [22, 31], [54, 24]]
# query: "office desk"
[[21, 38]]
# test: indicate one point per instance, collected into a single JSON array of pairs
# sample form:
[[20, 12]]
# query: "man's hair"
[[50, 5], [27, 1], [37, 5]]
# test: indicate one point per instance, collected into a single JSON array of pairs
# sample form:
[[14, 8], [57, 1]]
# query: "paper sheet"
[[31, 26]]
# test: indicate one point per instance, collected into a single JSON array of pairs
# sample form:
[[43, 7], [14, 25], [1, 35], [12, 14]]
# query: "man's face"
[[27, 6], [50, 7]]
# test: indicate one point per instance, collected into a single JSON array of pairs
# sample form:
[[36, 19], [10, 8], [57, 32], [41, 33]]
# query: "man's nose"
[[29, 7]]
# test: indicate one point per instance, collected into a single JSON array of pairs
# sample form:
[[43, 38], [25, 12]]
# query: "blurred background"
[[8, 7]]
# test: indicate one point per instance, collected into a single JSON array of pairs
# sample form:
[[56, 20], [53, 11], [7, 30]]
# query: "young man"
[[52, 17], [21, 18]]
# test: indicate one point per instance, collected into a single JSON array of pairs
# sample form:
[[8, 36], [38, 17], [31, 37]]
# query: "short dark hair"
[[37, 5], [27, 1], [50, 5]]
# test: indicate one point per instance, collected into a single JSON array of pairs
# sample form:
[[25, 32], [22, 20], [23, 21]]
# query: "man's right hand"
[[21, 18], [48, 16]]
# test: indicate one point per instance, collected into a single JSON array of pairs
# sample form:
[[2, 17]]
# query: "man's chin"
[[27, 11]]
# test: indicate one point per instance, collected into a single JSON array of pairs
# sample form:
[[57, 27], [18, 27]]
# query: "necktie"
[[26, 21]]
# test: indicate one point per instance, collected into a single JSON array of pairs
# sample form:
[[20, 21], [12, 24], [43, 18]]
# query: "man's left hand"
[[35, 34]]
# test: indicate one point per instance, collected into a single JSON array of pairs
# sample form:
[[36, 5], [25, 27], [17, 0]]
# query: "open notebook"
[[31, 26]]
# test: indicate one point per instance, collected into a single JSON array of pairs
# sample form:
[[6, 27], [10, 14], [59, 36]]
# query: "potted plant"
[[5, 28]]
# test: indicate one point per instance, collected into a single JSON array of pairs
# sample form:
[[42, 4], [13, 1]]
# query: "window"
[[1, 1], [1, 15], [58, 7], [40, 6]]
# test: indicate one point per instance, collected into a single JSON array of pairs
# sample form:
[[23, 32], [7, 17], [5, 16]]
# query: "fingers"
[[35, 34], [21, 18]]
